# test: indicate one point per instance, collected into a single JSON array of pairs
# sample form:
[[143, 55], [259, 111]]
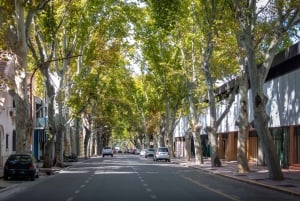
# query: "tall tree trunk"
[[243, 125], [197, 146], [51, 127], [212, 128], [195, 127], [17, 41], [59, 144], [187, 145], [171, 144], [86, 142], [257, 78], [246, 13], [261, 124], [214, 153]]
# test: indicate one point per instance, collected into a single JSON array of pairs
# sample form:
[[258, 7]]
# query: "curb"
[[245, 180]]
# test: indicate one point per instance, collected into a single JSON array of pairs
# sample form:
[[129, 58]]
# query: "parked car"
[[107, 151], [71, 158], [143, 152], [21, 165], [149, 152], [162, 153]]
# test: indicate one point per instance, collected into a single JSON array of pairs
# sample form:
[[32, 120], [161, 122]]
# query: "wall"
[[7, 124]]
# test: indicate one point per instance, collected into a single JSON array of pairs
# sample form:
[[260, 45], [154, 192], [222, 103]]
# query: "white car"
[[161, 153], [107, 151], [143, 152]]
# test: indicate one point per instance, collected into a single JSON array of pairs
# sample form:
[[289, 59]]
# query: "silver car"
[[149, 152], [162, 153], [107, 151]]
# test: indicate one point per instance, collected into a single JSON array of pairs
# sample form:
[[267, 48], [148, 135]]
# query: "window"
[[6, 141], [14, 140]]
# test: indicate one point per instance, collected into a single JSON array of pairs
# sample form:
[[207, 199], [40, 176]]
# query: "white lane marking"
[[82, 186], [210, 189], [77, 191], [70, 199], [153, 197], [148, 189], [145, 185]]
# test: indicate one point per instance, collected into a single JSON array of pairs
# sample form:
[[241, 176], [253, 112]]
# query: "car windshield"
[[150, 149], [163, 149], [20, 158], [106, 148]]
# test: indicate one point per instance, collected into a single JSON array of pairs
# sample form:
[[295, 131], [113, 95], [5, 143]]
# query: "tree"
[[261, 32], [18, 15], [211, 21]]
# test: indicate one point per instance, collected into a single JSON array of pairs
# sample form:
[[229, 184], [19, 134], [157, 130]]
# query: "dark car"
[[21, 165]]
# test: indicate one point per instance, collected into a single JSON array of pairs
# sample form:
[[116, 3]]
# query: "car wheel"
[[103, 156], [33, 177], [111, 155]]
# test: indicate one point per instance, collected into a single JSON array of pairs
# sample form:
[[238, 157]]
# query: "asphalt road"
[[131, 178]]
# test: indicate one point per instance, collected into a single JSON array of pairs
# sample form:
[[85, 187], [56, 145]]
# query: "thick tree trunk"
[[51, 127], [197, 146], [161, 139], [59, 145], [99, 142], [257, 77], [170, 144], [246, 13], [86, 142], [195, 128], [212, 129], [48, 155], [267, 144], [214, 153], [243, 125], [187, 146], [17, 42]]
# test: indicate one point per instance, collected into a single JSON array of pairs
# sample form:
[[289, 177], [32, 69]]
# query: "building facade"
[[282, 88]]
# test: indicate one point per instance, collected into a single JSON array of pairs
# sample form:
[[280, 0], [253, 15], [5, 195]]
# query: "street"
[[132, 178]]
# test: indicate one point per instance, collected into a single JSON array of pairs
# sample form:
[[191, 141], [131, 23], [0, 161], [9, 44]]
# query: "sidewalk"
[[258, 175]]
